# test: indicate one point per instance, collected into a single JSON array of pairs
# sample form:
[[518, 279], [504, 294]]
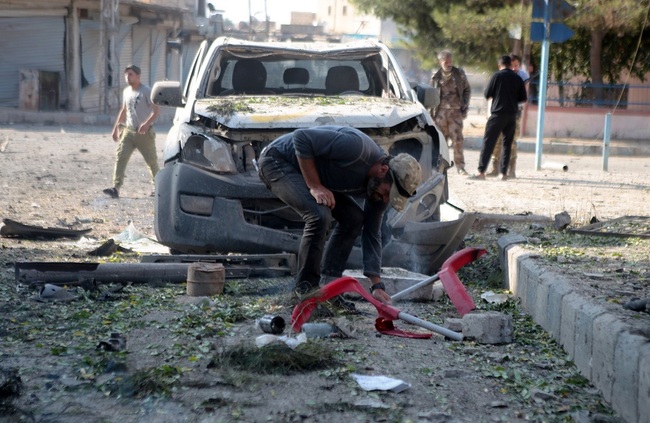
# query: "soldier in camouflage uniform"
[[455, 93], [496, 154]]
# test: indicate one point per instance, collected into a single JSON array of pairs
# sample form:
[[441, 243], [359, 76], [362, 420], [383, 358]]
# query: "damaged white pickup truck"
[[241, 95]]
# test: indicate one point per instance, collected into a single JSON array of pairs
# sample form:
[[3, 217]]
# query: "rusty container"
[[205, 279]]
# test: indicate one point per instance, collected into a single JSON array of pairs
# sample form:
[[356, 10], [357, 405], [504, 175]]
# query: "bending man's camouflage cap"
[[407, 175]]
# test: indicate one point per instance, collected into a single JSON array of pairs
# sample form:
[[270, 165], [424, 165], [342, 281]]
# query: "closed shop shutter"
[[158, 55], [142, 52], [33, 43]]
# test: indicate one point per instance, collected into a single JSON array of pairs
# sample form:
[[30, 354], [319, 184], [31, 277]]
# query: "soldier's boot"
[[495, 168], [512, 167]]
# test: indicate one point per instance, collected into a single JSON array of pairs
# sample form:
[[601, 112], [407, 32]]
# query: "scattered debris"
[[12, 229], [53, 293], [271, 324], [108, 248], [380, 383], [562, 220], [494, 298], [291, 342], [626, 226], [116, 343], [10, 384], [638, 304], [319, 330]]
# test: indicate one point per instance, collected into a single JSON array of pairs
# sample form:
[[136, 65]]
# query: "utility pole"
[[109, 25], [266, 13], [549, 30]]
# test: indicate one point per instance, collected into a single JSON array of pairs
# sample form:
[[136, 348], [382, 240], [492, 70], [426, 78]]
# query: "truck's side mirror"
[[167, 93], [427, 95]]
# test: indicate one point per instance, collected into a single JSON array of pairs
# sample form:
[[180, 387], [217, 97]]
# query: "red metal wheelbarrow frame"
[[455, 290]]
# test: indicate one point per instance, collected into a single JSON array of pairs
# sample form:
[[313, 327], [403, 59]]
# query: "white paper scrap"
[[380, 383]]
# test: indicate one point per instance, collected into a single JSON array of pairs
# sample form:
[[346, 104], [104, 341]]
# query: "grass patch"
[[277, 358]]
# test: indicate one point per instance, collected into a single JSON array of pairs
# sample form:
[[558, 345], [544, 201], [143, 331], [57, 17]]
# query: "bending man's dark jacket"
[[507, 90], [343, 157]]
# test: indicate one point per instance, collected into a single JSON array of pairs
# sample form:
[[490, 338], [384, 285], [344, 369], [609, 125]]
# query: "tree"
[[607, 33]]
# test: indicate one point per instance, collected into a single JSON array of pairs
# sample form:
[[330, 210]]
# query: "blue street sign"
[[537, 31], [560, 9], [559, 32]]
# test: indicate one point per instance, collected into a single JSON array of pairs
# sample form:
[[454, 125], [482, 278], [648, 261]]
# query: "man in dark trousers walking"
[[507, 90]]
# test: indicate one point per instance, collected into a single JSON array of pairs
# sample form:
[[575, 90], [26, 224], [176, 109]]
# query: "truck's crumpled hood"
[[298, 112]]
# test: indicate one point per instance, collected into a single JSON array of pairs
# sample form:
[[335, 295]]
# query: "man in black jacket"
[[507, 90]]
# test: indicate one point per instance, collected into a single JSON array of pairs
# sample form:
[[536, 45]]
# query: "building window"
[[329, 10], [345, 10]]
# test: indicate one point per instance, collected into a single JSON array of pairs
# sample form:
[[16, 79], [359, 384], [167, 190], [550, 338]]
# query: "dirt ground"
[[54, 176]]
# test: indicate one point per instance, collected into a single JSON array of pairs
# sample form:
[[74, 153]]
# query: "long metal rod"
[[415, 287], [606, 136], [430, 326]]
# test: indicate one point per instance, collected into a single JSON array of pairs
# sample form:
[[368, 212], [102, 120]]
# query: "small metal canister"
[[272, 324]]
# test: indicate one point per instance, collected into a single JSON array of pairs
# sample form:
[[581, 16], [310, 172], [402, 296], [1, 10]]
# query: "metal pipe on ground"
[[555, 166]]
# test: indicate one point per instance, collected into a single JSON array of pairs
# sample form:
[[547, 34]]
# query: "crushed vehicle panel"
[[241, 96]]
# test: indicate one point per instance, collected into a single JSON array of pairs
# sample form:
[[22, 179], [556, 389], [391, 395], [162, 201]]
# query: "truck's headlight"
[[209, 154]]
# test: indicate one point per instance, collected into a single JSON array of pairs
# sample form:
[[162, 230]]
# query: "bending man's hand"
[[381, 295], [323, 196]]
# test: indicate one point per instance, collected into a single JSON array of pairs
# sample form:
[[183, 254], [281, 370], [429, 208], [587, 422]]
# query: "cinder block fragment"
[[454, 324], [490, 327]]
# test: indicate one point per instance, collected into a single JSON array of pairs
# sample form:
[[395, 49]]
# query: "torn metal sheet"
[[626, 226], [12, 229]]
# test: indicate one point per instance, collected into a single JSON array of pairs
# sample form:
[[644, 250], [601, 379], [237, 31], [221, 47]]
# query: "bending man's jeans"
[[288, 184]]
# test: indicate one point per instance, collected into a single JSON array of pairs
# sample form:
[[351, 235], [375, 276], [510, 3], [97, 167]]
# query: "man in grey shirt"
[[133, 129], [318, 172]]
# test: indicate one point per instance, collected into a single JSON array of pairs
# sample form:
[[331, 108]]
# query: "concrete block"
[[570, 304], [490, 327], [532, 283], [558, 290], [504, 243], [539, 309], [454, 324], [606, 330], [625, 393], [644, 384], [397, 279], [583, 354], [513, 256]]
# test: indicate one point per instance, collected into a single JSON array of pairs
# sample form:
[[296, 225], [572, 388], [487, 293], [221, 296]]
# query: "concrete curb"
[[605, 349]]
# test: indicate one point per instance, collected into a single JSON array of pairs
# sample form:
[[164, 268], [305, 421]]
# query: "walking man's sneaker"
[[462, 171], [111, 192]]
